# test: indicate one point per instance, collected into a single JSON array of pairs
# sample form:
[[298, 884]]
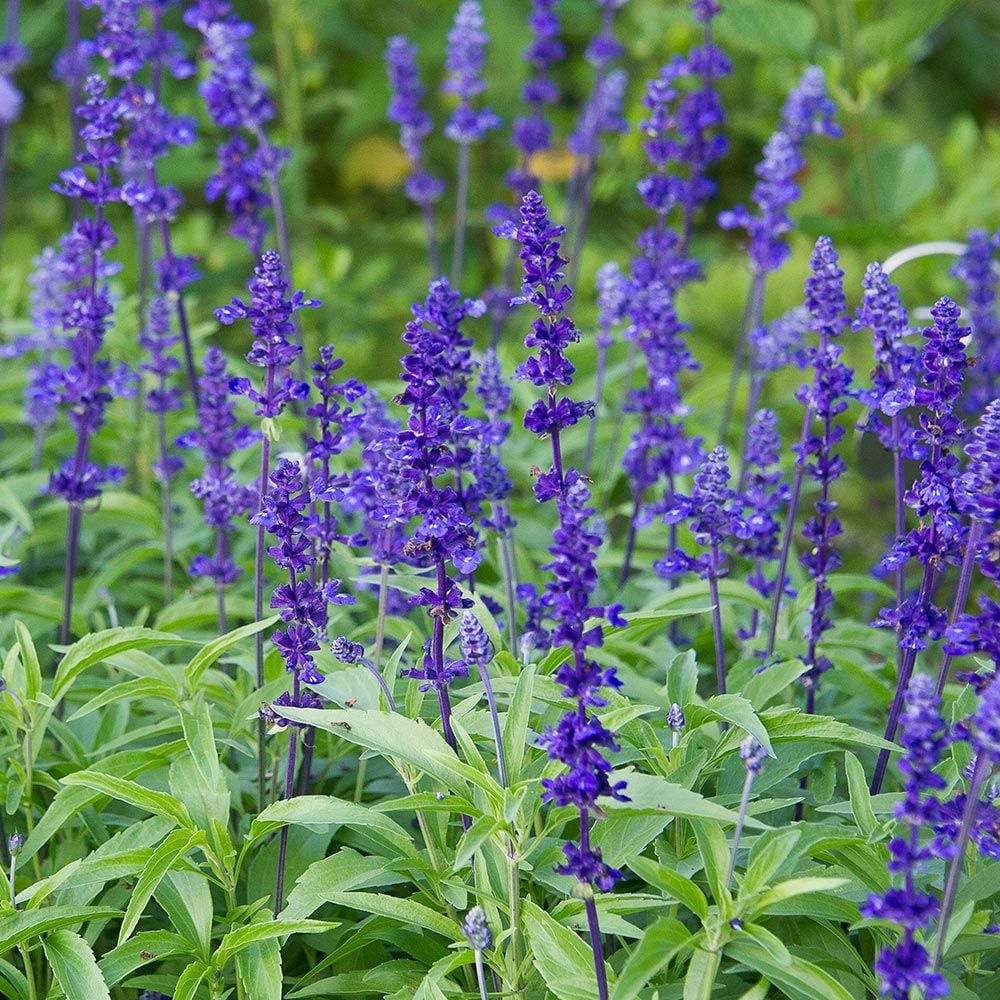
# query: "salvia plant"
[[621, 623]]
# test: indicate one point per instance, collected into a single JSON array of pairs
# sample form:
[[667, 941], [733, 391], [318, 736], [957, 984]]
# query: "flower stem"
[[740, 819], [433, 250], [961, 594], [720, 641], [786, 541], [593, 924], [166, 508], [602, 363], [258, 600], [481, 975], [509, 570], [983, 764], [461, 210], [752, 314]]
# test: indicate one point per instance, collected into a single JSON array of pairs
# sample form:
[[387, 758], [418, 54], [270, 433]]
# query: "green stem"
[[29, 969]]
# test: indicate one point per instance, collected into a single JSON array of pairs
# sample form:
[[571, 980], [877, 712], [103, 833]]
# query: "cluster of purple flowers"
[[238, 102], [429, 448], [579, 740], [219, 436], [414, 122], [466, 54], [807, 111], [683, 141], [979, 270], [908, 965], [824, 401]]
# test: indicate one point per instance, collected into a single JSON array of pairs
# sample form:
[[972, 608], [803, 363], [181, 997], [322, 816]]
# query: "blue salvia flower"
[[335, 429], [936, 499], [825, 400], [808, 111], [238, 102], [907, 965], [41, 398], [532, 133], [981, 488], [714, 512], [414, 122], [977, 269], [12, 56], [936, 542], [427, 450], [764, 495], [682, 142], [219, 436], [464, 61], [782, 342], [579, 741]]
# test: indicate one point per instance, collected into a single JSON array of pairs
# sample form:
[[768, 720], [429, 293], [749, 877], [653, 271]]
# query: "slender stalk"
[[180, 309], [907, 662], [616, 432], [580, 223], [221, 549], [293, 740], [899, 487], [720, 641], [258, 598], [983, 765], [740, 819], [377, 674], [491, 701], [481, 976], [633, 529], [383, 597], [786, 540], [308, 746], [593, 924], [509, 570], [461, 210], [167, 511], [961, 595], [499, 316], [69, 571]]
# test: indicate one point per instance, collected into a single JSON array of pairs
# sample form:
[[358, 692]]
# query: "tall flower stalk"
[[579, 740], [977, 267], [468, 124], [907, 964], [88, 383], [162, 399], [824, 400], [428, 450], [936, 541], [422, 187], [219, 436], [714, 510], [807, 111], [269, 313], [980, 496], [893, 387], [285, 512], [683, 140]]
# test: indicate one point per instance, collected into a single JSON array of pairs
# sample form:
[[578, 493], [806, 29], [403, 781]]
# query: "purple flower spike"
[[807, 111], [467, 42], [907, 964], [978, 269], [269, 313]]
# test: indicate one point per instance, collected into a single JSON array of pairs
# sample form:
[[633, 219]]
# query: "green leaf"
[[326, 810], [673, 884], [768, 27], [139, 950], [259, 967], [189, 981], [29, 659], [211, 652], [762, 688], [392, 735], [659, 944], [682, 678], [74, 967], [478, 833], [699, 980], [649, 793], [407, 911], [158, 803], [515, 725], [902, 175], [139, 688], [162, 860], [736, 709], [796, 887], [22, 925], [715, 856], [562, 958], [98, 646], [39, 603], [235, 941], [800, 978], [861, 799], [196, 779], [767, 856], [187, 900]]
